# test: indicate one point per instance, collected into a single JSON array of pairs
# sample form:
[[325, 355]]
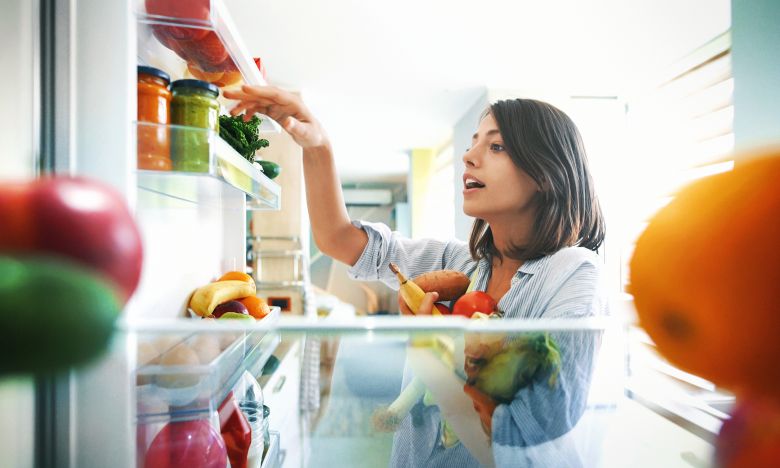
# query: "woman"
[[532, 248]]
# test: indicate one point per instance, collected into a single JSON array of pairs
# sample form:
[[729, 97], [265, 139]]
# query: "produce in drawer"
[[257, 306], [206, 298], [208, 51], [187, 444], [197, 10], [181, 355], [237, 276], [206, 346], [233, 306]]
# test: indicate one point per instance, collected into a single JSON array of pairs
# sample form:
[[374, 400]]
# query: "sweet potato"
[[450, 284]]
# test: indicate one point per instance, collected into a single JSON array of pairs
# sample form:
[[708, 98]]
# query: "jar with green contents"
[[194, 104]]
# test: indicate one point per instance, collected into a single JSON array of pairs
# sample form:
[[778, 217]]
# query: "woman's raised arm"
[[333, 231]]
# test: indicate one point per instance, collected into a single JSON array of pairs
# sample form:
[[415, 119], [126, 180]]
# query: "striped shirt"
[[528, 431]]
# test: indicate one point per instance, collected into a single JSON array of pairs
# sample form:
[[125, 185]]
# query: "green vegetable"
[[270, 169], [244, 137], [523, 361]]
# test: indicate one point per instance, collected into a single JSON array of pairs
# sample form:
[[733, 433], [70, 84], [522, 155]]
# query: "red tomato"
[[208, 51], [181, 9], [76, 218], [474, 301]]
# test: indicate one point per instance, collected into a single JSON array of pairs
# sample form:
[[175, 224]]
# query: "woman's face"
[[493, 187]]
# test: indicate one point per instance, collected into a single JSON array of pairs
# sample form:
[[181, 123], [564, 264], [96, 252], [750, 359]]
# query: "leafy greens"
[[243, 136]]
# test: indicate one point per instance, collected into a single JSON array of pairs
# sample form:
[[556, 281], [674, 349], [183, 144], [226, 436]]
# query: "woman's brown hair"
[[544, 142]]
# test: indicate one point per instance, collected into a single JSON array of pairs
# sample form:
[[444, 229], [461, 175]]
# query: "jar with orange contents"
[[154, 100]]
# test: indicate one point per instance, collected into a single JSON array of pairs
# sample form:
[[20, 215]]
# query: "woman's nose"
[[469, 158]]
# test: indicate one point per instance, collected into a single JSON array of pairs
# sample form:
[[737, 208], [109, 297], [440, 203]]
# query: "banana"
[[207, 297], [413, 295]]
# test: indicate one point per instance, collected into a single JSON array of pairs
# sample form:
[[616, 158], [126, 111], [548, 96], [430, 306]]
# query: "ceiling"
[[385, 77]]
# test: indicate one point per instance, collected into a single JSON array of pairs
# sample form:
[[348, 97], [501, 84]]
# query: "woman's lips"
[[471, 184]]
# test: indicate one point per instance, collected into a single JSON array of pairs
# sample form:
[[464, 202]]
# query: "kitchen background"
[[662, 91]]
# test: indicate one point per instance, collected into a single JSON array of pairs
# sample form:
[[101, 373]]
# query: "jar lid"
[[144, 70], [190, 83]]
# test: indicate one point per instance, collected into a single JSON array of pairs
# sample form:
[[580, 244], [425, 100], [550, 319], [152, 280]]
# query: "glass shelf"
[[199, 154], [271, 459], [182, 375], [376, 372], [196, 39]]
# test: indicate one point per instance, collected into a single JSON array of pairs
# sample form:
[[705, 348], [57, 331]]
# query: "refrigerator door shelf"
[[197, 39], [220, 162], [271, 459], [174, 385]]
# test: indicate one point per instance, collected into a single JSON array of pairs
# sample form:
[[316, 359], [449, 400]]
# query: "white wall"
[[461, 141]]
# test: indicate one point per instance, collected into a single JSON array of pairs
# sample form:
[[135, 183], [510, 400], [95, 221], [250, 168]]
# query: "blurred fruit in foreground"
[[705, 276], [751, 437], [80, 219], [54, 315]]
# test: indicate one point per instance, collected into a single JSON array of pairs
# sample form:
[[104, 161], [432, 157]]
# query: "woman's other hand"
[[284, 107], [426, 307]]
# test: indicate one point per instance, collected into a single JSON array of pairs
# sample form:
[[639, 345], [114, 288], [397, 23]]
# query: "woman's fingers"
[[270, 92], [405, 310], [426, 307]]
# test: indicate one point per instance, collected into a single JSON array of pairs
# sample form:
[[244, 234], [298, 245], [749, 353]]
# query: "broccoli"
[[242, 136]]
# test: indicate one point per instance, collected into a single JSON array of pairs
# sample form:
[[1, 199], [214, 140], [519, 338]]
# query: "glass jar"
[[194, 104], [154, 101]]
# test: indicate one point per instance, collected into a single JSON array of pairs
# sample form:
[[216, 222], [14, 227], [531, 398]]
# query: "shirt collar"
[[529, 267]]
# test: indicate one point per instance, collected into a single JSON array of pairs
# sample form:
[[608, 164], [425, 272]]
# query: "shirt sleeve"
[[541, 413], [412, 256]]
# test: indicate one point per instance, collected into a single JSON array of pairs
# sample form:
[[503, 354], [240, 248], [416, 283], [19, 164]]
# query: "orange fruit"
[[236, 276], [705, 275], [256, 306]]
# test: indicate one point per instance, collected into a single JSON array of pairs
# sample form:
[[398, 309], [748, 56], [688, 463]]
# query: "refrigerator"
[[69, 99]]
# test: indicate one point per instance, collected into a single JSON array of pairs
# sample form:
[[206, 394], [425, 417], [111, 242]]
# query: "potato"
[[450, 284]]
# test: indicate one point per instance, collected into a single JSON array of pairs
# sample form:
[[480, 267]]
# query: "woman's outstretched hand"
[[283, 106]]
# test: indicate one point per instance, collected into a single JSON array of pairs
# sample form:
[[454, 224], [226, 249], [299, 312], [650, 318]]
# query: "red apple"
[[191, 11], [230, 306], [80, 219]]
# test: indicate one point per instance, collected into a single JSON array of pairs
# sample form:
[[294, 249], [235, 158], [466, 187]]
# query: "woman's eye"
[[496, 147]]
